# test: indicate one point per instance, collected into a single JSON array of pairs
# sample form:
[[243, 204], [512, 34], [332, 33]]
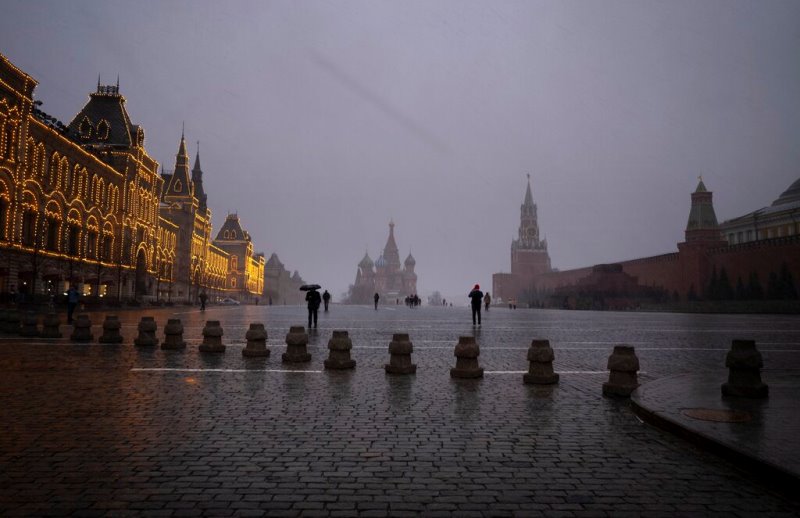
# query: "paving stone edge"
[[774, 476]]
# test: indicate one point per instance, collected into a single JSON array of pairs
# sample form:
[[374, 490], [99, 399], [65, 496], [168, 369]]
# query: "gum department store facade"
[[84, 203]]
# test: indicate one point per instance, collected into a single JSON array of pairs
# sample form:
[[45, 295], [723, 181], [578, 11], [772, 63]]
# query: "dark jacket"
[[313, 299], [477, 297]]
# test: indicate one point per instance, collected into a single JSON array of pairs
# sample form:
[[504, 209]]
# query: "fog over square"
[[320, 122]]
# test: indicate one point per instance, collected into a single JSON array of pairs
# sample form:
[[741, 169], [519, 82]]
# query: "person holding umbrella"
[[314, 299], [476, 296]]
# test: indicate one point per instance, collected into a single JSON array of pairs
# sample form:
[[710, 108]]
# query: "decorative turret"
[[410, 262], [366, 263], [232, 230], [197, 180], [104, 123], [702, 225], [180, 185]]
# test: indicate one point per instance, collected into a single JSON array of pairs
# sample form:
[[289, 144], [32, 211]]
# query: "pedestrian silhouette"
[[326, 298], [203, 298], [377, 298], [487, 299], [476, 296], [72, 302], [313, 299]]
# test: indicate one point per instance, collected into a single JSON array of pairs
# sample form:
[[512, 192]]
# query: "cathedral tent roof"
[[391, 245]]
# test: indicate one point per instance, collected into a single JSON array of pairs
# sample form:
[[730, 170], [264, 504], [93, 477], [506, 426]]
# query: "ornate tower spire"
[[197, 180], [180, 182], [528, 238]]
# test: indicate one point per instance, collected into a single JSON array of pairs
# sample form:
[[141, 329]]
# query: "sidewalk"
[[758, 434]]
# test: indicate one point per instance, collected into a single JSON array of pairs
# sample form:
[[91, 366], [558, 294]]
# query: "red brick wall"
[[692, 265]]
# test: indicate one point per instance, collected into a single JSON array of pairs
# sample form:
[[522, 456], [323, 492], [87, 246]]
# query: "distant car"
[[227, 301]]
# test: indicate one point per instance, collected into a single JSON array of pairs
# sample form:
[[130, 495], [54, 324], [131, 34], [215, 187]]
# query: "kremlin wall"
[[752, 257]]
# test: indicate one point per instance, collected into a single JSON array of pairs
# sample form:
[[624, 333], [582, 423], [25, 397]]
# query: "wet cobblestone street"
[[110, 430]]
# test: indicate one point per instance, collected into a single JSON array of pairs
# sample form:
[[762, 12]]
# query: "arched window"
[[74, 240], [103, 130], [33, 158], [131, 199], [10, 137], [3, 218], [42, 156], [85, 128], [29, 228], [91, 244], [53, 230]]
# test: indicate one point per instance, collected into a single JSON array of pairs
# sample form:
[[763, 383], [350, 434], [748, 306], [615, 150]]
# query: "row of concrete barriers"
[[743, 361]]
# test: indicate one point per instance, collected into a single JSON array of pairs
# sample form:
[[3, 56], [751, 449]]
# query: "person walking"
[[476, 296], [487, 299], [377, 298], [203, 298], [326, 298], [313, 299], [72, 302]]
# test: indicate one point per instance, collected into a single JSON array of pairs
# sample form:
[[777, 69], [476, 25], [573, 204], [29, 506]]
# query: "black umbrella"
[[309, 287]]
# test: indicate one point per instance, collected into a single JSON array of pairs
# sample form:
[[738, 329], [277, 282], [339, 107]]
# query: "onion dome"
[[366, 262], [380, 262], [410, 261]]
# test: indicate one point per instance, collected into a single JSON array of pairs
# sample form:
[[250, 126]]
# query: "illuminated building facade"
[[246, 269], [79, 202], [83, 203]]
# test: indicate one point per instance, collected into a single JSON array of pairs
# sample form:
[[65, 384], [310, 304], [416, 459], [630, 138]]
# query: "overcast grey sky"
[[321, 121]]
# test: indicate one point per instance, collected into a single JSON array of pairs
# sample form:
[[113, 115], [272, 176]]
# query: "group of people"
[[413, 301], [314, 300]]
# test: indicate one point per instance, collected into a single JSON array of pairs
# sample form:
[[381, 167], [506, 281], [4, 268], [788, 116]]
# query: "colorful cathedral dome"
[[380, 262], [410, 261], [366, 263]]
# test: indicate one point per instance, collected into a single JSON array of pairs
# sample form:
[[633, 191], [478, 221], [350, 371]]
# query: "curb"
[[773, 476]]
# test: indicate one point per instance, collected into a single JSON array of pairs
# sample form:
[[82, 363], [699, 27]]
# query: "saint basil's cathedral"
[[385, 276]]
